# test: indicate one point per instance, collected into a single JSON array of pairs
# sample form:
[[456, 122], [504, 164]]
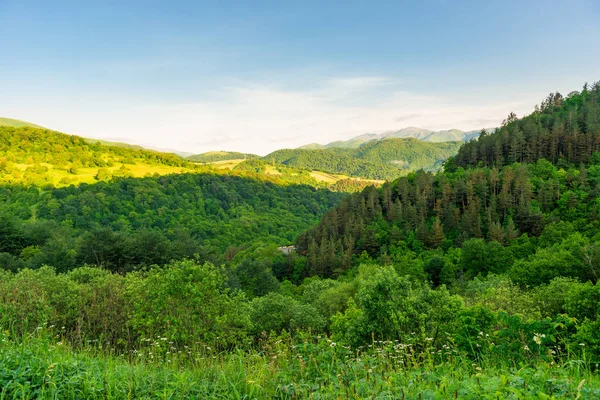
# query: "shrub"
[[276, 312], [186, 302]]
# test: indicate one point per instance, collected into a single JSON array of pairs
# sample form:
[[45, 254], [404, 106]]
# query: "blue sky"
[[260, 75]]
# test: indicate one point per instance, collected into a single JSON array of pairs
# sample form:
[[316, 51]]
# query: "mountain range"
[[425, 135]]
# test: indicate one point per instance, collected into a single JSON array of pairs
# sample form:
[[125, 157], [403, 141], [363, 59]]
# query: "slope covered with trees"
[[382, 159], [44, 157], [548, 208], [562, 130], [126, 223]]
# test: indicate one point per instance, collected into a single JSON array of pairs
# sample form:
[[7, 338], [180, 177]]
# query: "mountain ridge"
[[422, 134]]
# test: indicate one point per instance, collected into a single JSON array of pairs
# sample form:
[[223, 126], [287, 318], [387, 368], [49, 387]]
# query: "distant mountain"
[[374, 159], [16, 123], [425, 135], [215, 156]]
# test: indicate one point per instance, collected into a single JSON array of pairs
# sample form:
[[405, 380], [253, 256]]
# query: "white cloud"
[[260, 118]]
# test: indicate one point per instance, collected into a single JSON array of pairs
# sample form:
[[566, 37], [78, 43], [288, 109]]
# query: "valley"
[[165, 273]]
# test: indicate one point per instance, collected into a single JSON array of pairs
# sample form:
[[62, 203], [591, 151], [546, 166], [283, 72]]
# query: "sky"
[[256, 76]]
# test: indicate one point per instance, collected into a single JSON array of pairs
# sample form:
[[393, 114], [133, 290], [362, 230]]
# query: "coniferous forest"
[[477, 280]]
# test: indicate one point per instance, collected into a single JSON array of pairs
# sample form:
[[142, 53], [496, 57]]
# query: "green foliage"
[[564, 130], [481, 257], [130, 223], [276, 312], [384, 159], [32, 155], [394, 307], [280, 369], [186, 302]]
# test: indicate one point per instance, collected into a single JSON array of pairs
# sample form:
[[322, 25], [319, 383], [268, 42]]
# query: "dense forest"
[[128, 223], [478, 281], [562, 130], [381, 159]]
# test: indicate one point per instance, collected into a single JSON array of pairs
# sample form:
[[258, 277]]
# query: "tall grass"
[[40, 366]]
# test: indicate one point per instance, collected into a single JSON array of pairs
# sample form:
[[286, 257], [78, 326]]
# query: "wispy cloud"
[[407, 117], [261, 117]]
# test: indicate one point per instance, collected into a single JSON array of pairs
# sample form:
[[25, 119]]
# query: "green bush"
[[276, 312], [186, 302], [391, 307]]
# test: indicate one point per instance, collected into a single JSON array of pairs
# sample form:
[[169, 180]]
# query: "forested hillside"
[[128, 223], [385, 159], [44, 157], [539, 210], [562, 130]]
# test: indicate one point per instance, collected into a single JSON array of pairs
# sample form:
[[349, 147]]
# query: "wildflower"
[[582, 344], [332, 344], [526, 348]]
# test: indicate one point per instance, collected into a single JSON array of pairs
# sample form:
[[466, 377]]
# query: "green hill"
[[36, 156], [425, 135], [39, 156], [377, 159], [535, 177], [215, 156], [16, 123]]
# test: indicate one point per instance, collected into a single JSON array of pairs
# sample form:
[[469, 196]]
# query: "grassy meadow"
[[38, 366]]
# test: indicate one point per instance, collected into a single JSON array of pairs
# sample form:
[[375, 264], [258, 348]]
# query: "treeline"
[[128, 223], [563, 130], [381, 159]]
